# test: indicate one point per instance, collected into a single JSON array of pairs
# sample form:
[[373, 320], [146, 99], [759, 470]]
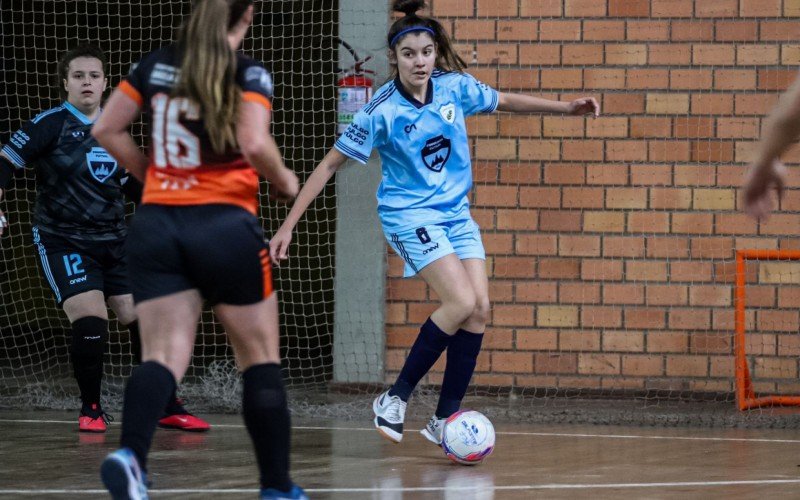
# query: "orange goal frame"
[[746, 398]]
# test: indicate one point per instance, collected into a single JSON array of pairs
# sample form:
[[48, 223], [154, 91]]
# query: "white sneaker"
[[390, 412], [433, 431]]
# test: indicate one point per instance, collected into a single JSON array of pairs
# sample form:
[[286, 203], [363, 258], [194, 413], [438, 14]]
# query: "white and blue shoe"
[[123, 477], [390, 413], [296, 493], [433, 430]]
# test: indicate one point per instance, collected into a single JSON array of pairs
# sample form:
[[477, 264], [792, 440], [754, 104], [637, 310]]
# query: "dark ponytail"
[[446, 57]]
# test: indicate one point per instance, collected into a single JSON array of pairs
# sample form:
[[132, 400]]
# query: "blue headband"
[[409, 30]]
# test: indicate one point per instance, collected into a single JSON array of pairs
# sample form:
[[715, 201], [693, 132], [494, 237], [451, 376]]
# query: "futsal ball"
[[468, 437]]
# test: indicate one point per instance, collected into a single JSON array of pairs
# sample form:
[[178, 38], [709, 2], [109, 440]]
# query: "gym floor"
[[43, 456]]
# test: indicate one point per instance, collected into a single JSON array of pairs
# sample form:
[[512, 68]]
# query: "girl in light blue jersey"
[[416, 122]]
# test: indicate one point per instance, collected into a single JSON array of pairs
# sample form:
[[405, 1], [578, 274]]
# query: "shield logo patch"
[[101, 164], [436, 153], [448, 112]]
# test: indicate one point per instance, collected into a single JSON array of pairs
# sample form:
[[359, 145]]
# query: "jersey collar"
[[410, 98], [78, 114]]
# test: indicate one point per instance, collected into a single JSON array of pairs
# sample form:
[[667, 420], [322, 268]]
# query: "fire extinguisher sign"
[[351, 100]]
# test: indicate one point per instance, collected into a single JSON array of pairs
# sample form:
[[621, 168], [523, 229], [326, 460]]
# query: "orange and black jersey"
[[184, 169]]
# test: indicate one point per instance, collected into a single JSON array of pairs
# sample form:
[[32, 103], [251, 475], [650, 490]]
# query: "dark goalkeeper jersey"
[[78, 184]]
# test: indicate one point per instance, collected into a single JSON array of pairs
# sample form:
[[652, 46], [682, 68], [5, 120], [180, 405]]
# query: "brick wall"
[[611, 241]]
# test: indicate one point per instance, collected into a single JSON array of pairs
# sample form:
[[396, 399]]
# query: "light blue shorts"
[[422, 245]]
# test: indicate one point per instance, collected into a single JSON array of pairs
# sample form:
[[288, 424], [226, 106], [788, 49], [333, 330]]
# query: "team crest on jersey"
[[448, 112], [101, 164], [436, 153]]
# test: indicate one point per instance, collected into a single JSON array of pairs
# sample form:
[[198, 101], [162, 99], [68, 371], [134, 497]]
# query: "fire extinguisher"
[[354, 90]]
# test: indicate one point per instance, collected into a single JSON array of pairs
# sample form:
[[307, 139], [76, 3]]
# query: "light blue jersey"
[[424, 150]]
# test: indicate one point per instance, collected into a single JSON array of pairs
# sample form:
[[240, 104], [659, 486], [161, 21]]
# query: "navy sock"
[[266, 416], [430, 344], [462, 354], [146, 394], [89, 337], [136, 341]]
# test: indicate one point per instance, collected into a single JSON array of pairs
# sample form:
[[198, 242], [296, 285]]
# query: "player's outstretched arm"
[[766, 172], [111, 131], [521, 103], [260, 150], [279, 243]]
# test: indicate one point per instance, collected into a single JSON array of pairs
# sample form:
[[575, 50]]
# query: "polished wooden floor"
[[43, 456]]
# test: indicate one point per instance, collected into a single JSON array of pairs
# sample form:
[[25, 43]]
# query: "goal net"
[[610, 242]]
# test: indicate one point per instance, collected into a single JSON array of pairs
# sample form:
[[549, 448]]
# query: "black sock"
[[462, 354], [89, 337], [136, 341], [146, 394], [430, 344], [266, 416]]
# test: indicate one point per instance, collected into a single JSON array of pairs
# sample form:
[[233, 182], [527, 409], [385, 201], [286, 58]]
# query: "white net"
[[610, 242]]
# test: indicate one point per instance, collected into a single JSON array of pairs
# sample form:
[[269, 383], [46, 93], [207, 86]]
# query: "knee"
[[464, 306], [480, 314], [89, 337]]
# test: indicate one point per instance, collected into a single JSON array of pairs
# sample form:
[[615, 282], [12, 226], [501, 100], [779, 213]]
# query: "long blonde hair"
[[208, 69]]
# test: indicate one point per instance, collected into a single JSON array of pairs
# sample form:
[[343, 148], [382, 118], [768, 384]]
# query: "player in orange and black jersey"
[[196, 236], [79, 226]]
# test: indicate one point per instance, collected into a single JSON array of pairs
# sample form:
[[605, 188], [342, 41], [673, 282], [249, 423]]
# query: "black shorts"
[[217, 249], [73, 266]]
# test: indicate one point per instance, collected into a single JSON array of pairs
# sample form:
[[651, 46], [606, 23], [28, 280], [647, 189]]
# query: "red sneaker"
[[178, 418], [93, 419]]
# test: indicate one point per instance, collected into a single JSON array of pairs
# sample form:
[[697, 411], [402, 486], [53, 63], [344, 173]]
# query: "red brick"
[[692, 31], [584, 8], [712, 152], [579, 246], [623, 293], [623, 103], [601, 316], [643, 366], [694, 175], [564, 173], [604, 78], [754, 104], [690, 78], [512, 362], [407, 289], [651, 175], [474, 29], [759, 55], [716, 8], [512, 315], [710, 295], [735, 224], [517, 219], [760, 8], [712, 104], [509, 30], [734, 79], [670, 199], [648, 78], [648, 126], [559, 268], [628, 8], [601, 270], [496, 53], [579, 293], [604, 222], [537, 340], [626, 54], [605, 174], [552, 220], [497, 196], [599, 364], [648, 30], [666, 295], [667, 342], [535, 149], [607, 126], [667, 247], [693, 127], [482, 125], [669, 54], [584, 54], [623, 246], [648, 222], [686, 366], [644, 317], [452, 8], [536, 244], [539, 54], [536, 292], [775, 79], [561, 79], [493, 8], [557, 126], [523, 79], [733, 128], [539, 8], [539, 197], [555, 363], [692, 223], [578, 340], [559, 30], [736, 31], [627, 198], [646, 271], [671, 8], [626, 151], [689, 319], [519, 125], [580, 197]]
